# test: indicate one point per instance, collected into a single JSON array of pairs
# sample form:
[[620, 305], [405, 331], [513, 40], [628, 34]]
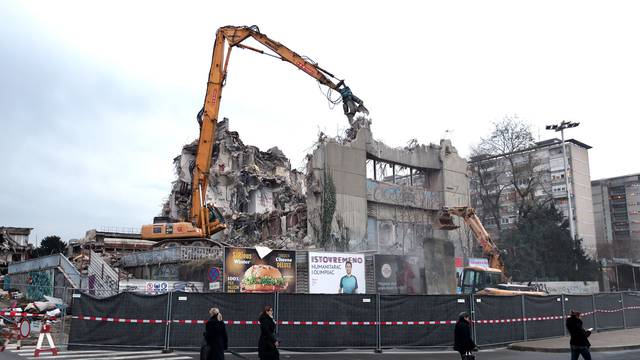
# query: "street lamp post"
[[560, 127]]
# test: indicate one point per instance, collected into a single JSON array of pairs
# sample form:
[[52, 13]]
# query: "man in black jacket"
[[579, 342], [463, 343]]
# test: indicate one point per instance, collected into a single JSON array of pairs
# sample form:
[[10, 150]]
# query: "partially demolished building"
[[358, 194], [260, 196]]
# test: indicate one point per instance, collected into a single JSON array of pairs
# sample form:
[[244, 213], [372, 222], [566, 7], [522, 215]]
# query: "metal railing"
[[170, 255]]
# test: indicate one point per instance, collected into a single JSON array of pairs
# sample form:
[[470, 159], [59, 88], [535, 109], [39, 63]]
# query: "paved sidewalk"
[[602, 341]]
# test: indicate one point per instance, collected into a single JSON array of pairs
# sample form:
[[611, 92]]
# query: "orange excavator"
[[206, 219], [476, 279]]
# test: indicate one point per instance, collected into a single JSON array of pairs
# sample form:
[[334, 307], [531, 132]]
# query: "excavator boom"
[[204, 216], [478, 280], [489, 248]]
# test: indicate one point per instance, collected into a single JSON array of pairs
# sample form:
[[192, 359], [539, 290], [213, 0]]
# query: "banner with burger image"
[[246, 272]]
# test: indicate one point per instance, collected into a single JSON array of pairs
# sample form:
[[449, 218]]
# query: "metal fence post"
[[595, 312], [378, 325], [276, 308], [167, 328], [564, 316], [524, 321], [63, 315], [473, 319], [624, 316]]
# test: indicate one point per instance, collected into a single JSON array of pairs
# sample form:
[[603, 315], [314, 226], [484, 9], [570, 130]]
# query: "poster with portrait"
[[459, 262], [336, 273], [246, 272], [399, 274]]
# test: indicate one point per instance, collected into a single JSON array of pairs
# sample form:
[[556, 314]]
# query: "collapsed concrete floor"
[[261, 197]]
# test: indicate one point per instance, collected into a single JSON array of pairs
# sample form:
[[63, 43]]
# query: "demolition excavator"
[[205, 219], [481, 280]]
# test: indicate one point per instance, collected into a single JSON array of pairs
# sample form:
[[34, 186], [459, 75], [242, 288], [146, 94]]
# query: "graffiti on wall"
[[40, 283], [167, 272], [403, 195]]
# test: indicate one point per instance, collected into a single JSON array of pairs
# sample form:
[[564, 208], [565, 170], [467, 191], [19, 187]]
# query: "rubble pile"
[[261, 197]]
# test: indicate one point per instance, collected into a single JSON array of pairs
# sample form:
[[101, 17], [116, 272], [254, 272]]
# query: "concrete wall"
[[385, 217], [345, 166], [583, 201], [439, 264]]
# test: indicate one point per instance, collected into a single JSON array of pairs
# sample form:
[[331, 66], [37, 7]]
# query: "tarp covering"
[[235, 307], [499, 307], [609, 307], [330, 321], [114, 333], [327, 308], [441, 308], [549, 309]]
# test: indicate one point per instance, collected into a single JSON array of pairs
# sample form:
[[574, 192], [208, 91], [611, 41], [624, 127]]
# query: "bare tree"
[[506, 170]]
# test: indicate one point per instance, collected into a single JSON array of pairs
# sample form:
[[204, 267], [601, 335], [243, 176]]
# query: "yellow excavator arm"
[[468, 214], [227, 38]]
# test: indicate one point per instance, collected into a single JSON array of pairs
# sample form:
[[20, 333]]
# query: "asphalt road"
[[497, 354]]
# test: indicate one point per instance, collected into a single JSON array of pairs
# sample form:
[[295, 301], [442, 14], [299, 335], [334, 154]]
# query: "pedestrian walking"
[[215, 337], [463, 342], [579, 342], [268, 343]]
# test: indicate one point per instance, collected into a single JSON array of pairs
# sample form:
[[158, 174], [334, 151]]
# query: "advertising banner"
[[336, 273], [155, 287], [398, 274], [481, 262], [459, 268], [246, 272]]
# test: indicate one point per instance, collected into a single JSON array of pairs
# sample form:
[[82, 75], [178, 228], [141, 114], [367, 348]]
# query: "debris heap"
[[260, 196]]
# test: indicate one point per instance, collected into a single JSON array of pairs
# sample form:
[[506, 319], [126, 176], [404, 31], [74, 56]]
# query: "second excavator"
[[481, 280]]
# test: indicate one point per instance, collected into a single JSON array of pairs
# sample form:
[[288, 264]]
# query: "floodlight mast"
[[560, 127]]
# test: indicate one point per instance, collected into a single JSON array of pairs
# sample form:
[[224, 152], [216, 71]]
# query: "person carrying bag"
[[215, 337], [463, 342]]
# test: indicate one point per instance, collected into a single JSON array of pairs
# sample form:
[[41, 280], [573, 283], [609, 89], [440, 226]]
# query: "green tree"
[[540, 248], [50, 245]]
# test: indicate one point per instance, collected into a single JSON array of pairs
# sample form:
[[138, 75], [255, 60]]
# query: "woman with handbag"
[[463, 342], [268, 343], [215, 336]]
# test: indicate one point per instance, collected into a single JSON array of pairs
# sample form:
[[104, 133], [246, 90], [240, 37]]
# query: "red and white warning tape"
[[118, 320], [285, 322], [25, 314], [430, 322], [328, 323]]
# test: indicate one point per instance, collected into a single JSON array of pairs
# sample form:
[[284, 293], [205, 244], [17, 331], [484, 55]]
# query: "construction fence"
[[176, 320]]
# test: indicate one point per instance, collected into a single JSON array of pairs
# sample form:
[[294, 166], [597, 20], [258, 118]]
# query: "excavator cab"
[[476, 278], [445, 221], [216, 220]]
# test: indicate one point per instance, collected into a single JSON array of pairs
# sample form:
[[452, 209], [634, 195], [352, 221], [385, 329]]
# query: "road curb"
[[519, 347]]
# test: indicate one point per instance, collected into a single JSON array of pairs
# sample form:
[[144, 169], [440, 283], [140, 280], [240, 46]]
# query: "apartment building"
[[498, 182], [616, 207]]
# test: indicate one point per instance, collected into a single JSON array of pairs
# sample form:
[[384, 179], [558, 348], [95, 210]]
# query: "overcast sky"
[[97, 98]]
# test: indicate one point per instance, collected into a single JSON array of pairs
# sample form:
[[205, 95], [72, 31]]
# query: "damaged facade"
[[260, 196], [365, 196], [14, 245], [357, 195]]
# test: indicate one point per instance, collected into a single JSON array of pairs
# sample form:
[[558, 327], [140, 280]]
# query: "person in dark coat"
[[579, 342], [463, 342], [268, 343], [216, 336]]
